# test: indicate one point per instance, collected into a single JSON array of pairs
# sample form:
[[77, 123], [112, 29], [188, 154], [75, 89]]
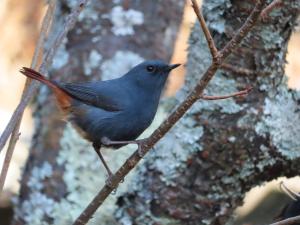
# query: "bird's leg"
[[107, 141], [97, 149]]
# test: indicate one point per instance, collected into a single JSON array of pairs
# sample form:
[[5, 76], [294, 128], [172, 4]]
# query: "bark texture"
[[200, 172], [63, 172]]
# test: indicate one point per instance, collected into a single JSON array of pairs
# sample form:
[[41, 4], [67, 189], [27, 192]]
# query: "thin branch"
[[148, 143], [12, 142], [265, 13], [236, 94], [209, 39], [46, 24], [291, 220], [32, 88]]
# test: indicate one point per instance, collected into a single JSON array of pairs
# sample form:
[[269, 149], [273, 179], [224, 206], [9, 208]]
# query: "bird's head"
[[151, 74]]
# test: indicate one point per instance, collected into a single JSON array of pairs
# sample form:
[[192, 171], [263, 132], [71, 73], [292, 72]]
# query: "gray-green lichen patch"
[[38, 205], [35, 208], [268, 160], [124, 20], [92, 62], [215, 16], [38, 174], [88, 13], [120, 62], [61, 57], [281, 122], [246, 121], [271, 41]]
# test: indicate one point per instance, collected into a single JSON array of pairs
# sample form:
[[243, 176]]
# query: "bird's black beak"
[[173, 66]]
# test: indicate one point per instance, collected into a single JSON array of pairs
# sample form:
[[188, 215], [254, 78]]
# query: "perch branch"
[[149, 142], [291, 220], [236, 94], [209, 39], [12, 128]]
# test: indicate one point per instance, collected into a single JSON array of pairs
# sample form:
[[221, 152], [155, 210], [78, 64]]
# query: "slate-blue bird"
[[115, 112]]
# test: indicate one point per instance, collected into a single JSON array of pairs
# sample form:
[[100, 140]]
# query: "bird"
[[111, 113]]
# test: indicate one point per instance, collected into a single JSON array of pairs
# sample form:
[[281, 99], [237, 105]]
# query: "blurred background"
[[17, 42]]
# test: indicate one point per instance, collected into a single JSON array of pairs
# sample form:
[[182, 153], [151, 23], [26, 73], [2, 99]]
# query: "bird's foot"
[[140, 151], [108, 181], [107, 141]]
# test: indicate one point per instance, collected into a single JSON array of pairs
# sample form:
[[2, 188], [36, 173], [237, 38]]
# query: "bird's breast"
[[142, 114]]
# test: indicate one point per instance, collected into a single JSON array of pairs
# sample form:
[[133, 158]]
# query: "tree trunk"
[[201, 170], [63, 172]]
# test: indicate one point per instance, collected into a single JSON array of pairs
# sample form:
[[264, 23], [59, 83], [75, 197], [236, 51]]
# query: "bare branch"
[[236, 94], [209, 39], [148, 143], [291, 220], [265, 13]]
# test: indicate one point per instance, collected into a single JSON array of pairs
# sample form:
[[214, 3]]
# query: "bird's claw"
[[140, 151], [105, 141]]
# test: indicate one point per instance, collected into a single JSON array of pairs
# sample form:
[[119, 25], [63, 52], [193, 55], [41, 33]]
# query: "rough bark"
[[63, 172], [200, 172]]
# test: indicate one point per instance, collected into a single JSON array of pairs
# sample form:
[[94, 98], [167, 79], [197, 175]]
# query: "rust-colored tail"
[[37, 76], [63, 99]]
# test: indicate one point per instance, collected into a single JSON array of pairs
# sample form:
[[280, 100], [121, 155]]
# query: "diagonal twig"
[[236, 94], [265, 13], [211, 44], [149, 142], [12, 128]]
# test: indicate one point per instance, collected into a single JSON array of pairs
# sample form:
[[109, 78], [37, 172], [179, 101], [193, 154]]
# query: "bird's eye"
[[150, 69]]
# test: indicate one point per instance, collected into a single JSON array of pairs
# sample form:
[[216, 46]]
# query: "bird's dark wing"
[[98, 94]]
